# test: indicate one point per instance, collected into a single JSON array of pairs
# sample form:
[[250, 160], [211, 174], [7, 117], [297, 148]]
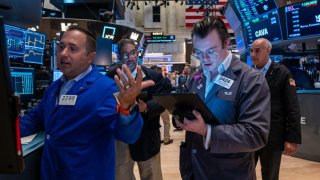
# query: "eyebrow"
[[70, 44]]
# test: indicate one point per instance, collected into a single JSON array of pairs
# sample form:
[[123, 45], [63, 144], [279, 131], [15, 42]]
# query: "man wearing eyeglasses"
[[240, 99], [146, 150]]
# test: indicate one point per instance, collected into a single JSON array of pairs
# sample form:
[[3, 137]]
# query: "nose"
[[63, 52], [205, 56]]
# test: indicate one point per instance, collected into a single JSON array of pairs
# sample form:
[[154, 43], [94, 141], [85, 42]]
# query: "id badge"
[[68, 100], [224, 81]]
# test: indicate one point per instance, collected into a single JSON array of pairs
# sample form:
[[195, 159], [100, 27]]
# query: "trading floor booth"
[[309, 101]]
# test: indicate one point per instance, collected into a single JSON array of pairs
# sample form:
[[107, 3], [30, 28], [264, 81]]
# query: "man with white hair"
[[285, 132]]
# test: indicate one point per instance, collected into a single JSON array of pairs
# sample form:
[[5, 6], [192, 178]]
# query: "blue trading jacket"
[[79, 141]]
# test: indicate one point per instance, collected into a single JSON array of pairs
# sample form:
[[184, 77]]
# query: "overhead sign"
[[108, 32], [156, 34], [160, 39]]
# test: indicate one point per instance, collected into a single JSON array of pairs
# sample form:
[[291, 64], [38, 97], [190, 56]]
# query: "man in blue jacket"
[[81, 115]]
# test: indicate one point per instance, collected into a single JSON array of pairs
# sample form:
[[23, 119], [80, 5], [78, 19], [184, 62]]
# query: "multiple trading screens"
[[264, 19], [25, 45]]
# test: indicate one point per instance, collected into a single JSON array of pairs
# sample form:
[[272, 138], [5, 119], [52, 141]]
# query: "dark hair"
[[156, 68], [206, 25], [91, 43], [124, 42]]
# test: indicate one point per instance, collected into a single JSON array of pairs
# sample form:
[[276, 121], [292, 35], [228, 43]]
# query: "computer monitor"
[[250, 9], [276, 58], [23, 82], [265, 26], [240, 40], [232, 16], [56, 74], [11, 160], [115, 50], [303, 19], [25, 45]]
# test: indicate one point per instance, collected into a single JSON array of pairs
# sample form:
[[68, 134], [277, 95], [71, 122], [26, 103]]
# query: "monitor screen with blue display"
[[25, 45], [250, 9], [241, 45], [56, 74], [276, 58], [231, 16], [265, 26], [303, 19], [23, 82]]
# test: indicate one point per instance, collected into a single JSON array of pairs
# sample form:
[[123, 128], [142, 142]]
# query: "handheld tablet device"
[[182, 104]]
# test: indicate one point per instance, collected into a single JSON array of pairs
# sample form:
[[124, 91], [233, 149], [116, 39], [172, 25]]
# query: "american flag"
[[191, 12]]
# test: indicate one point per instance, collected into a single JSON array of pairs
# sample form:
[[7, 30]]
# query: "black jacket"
[[285, 113], [149, 142]]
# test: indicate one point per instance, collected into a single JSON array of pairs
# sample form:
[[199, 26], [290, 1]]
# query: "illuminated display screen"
[[265, 26], [56, 74], [25, 45], [232, 17], [303, 19], [276, 58], [241, 45], [160, 39], [108, 32], [22, 82], [250, 9]]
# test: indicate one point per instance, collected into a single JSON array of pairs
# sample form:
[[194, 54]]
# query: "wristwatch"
[[129, 111]]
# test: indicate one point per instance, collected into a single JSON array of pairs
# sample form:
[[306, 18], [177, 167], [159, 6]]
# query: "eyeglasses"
[[201, 55], [126, 55]]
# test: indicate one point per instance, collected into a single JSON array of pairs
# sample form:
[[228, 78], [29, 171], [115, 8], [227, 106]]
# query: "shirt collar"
[[79, 77], [266, 67]]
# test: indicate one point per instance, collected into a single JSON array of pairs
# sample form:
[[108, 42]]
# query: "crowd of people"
[[98, 127]]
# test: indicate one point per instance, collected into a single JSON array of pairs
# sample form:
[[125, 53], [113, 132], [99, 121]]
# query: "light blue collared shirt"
[[221, 69], [67, 84], [265, 68]]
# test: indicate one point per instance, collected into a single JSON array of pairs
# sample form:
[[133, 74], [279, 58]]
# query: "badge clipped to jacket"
[[68, 100], [224, 81]]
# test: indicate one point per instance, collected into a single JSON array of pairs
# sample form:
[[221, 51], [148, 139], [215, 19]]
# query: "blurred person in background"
[[146, 150]]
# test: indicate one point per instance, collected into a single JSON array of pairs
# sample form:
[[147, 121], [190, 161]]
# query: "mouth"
[[63, 62], [129, 62]]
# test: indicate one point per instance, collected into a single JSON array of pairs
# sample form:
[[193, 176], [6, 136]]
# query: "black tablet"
[[182, 104]]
